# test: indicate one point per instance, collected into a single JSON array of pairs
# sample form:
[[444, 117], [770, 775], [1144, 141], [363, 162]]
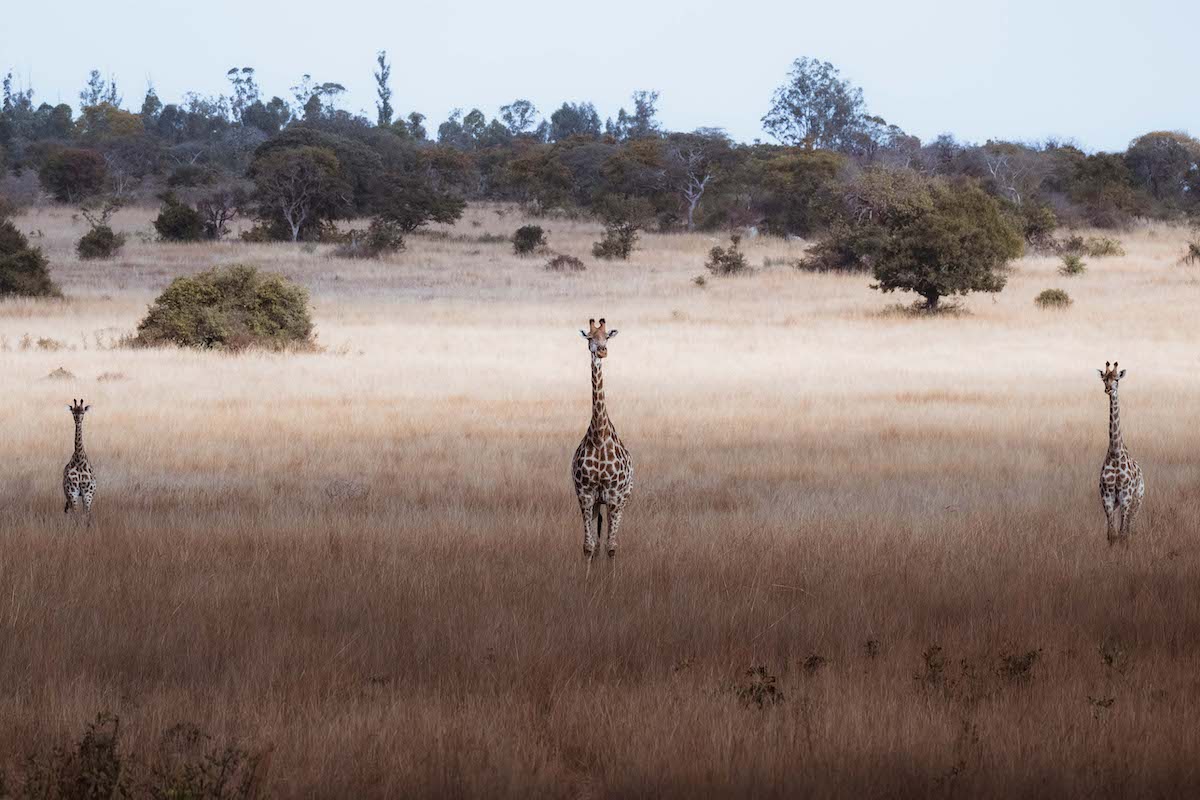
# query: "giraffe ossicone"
[[79, 480], [601, 469], [1122, 486]]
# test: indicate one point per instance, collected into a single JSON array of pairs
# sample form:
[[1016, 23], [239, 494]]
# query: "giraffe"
[[79, 481], [1122, 486], [602, 469]]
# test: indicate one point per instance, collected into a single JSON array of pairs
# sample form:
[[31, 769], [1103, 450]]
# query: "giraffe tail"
[[599, 521]]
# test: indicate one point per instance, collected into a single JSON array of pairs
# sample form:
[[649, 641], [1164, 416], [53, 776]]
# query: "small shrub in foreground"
[[565, 263], [1053, 298], [232, 307], [1072, 265], [529, 239], [728, 260]]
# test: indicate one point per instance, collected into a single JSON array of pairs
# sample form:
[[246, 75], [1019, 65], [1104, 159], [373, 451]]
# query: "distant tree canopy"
[[397, 164]]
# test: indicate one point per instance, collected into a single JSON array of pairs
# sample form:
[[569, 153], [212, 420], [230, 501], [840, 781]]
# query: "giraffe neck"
[[600, 421], [79, 437], [1115, 443]]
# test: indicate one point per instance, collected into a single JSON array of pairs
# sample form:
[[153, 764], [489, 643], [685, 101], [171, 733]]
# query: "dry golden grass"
[[367, 561]]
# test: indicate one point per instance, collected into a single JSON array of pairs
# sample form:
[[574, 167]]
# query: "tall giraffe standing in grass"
[[602, 469], [1122, 486], [79, 481]]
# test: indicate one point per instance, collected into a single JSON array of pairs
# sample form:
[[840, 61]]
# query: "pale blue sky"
[[1100, 72]]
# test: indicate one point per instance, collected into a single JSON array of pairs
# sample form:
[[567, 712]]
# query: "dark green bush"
[[1192, 256], [728, 260], [529, 239], [100, 242], [23, 269], [1052, 298], [1037, 224], [1092, 246], [232, 307], [957, 241], [179, 222]]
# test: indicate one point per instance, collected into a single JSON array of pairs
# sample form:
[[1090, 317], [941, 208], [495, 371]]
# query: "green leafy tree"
[[384, 91], [299, 189], [72, 174], [815, 108], [954, 240]]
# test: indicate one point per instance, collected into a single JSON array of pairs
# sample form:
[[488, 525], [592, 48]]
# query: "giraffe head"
[[78, 409], [598, 336], [1110, 376]]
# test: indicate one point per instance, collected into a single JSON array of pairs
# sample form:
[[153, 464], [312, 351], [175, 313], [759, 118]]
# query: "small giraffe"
[[602, 469], [79, 481], [1122, 486]]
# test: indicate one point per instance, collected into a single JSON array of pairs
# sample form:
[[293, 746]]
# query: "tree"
[[409, 201], [574, 120], [300, 188], [815, 108], [955, 239], [519, 117], [245, 91], [1164, 162], [72, 174], [692, 163], [642, 123], [99, 91], [384, 104]]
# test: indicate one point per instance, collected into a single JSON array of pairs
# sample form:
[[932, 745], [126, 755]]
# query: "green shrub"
[[232, 307], [380, 238], [728, 260], [178, 222], [565, 263], [71, 174], [1052, 298], [23, 269], [100, 242], [618, 241], [529, 239], [956, 240], [1072, 265]]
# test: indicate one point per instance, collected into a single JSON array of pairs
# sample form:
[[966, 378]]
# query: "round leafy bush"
[[528, 239], [233, 308], [100, 242], [1053, 298], [179, 222], [23, 269]]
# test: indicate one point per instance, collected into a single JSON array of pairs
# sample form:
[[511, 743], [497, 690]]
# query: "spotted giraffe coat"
[[79, 480], [602, 470], [1122, 485]]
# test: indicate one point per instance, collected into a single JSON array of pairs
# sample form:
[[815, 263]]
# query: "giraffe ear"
[[1100, 372], [612, 333], [87, 408], [1120, 374], [583, 333], [70, 409]]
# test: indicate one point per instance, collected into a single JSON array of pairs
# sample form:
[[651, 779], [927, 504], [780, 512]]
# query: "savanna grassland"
[[364, 564]]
